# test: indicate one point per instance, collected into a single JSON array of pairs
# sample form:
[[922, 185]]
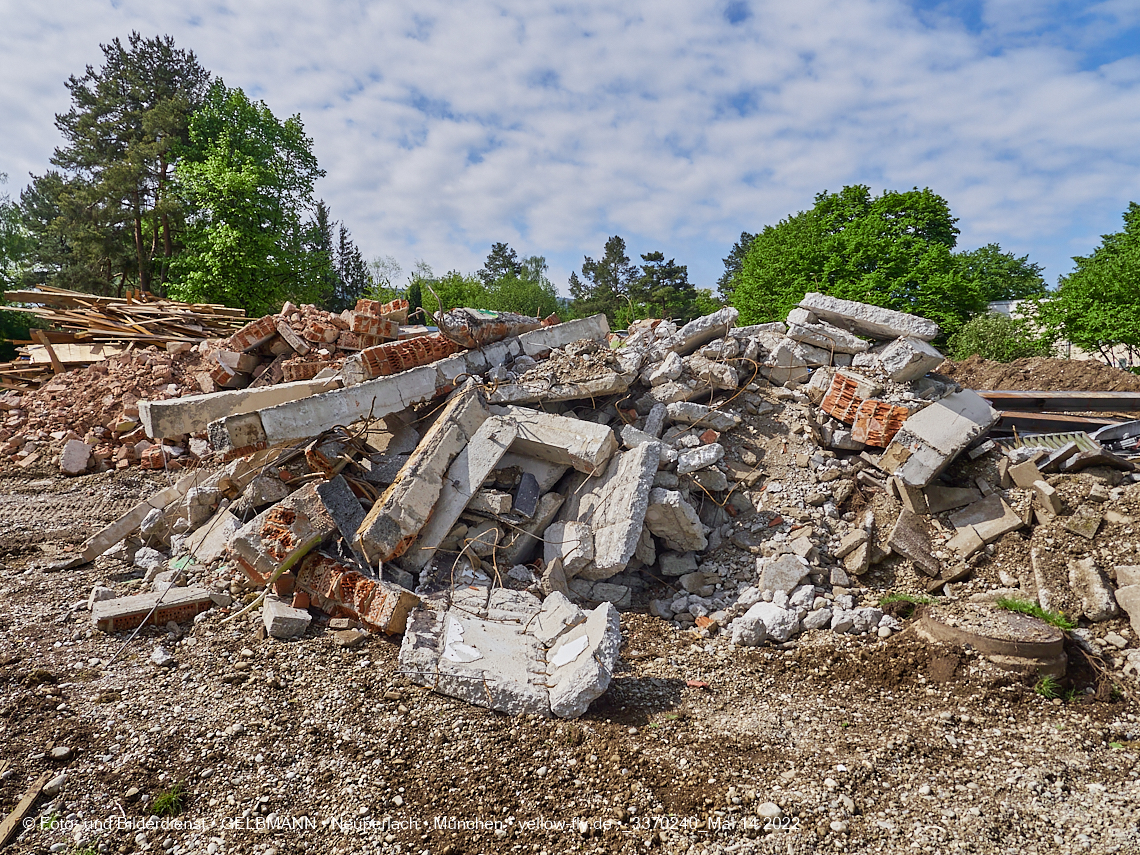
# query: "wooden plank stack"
[[79, 323]]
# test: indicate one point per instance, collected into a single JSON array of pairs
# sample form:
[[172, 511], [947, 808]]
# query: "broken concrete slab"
[[990, 517], [397, 518], [931, 438], [940, 499], [700, 457], [872, 321], [1092, 589], [464, 477], [210, 541], [586, 446], [966, 541], [572, 543], [1048, 499], [193, 413], [1128, 598], [911, 538], [537, 343], [827, 337], [547, 474], [906, 359], [1025, 474], [615, 509], [180, 605], [554, 665], [308, 416], [547, 391], [675, 521], [1085, 521], [702, 330]]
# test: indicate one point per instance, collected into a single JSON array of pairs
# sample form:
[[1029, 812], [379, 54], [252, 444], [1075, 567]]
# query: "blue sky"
[[447, 126]]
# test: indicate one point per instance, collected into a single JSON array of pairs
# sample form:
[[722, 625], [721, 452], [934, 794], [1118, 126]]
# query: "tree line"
[[171, 182]]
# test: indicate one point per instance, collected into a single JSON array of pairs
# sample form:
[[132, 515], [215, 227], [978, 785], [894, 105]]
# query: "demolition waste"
[[497, 492]]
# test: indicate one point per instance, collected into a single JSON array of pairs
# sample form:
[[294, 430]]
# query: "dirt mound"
[[1040, 374]]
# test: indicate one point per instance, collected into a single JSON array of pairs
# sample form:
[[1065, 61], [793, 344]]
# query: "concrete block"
[[75, 457], [675, 521], [340, 590], [701, 331], [691, 413], [801, 317], [557, 439], [546, 391], [966, 541], [783, 574], [614, 507], [631, 437], [668, 369], [1092, 589], [785, 364], [1025, 474], [700, 457], [931, 438], [403, 510], [557, 616], [940, 499], [539, 342], [582, 661], [492, 502], [605, 592], [826, 337], [111, 534], [282, 620], [1128, 598], [572, 543], [1127, 575], [464, 477], [677, 563], [1047, 498], [180, 605], [872, 321], [193, 413], [906, 359], [991, 518], [655, 420]]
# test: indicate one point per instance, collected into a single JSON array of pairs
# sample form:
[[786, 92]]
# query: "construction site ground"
[[831, 742]]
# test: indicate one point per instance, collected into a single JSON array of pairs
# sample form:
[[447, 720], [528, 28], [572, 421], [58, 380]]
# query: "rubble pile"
[[746, 482], [98, 406]]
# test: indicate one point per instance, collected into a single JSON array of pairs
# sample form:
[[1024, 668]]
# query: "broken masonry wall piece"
[[339, 590], [180, 605], [474, 328], [931, 438], [401, 513], [557, 439]]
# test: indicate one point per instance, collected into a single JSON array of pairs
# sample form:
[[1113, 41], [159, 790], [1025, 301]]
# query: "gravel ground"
[[829, 743]]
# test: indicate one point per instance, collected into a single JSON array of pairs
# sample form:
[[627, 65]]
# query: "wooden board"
[[12, 825], [75, 354]]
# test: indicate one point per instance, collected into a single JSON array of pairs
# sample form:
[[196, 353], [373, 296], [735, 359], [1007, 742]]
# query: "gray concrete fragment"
[[615, 509], [782, 574], [547, 474], [677, 563], [699, 458], [581, 673], [522, 541], [931, 438], [669, 368], [557, 439], [538, 343], [655, 420], [703, 330], [826, 337], [675, 521], [990, 517], [906, 359], [1093, 590], [572, 543], [911, 538], [691, 413], [282, 620], [872, 321], [1128, 598]]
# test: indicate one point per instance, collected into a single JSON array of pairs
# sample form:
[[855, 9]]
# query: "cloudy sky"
[[446, 126]]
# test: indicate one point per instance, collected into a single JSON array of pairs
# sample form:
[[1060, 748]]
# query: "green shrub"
[[998, 338]]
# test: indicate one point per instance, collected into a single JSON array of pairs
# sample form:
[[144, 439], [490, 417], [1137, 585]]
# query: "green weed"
[[1025, 607], [170, 803]]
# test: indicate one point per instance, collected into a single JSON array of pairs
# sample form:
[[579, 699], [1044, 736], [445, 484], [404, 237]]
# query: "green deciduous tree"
[[733, 266], [893, 250], [1097, 306], [1000, 338], [248, 177], [114, 199], [514, 284], [1001, 275]]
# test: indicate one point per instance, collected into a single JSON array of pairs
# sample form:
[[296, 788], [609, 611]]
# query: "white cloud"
[[444, 127]]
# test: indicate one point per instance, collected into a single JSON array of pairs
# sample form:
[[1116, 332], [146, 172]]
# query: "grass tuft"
[[170, 803], [1048, 687], [1025, 607]]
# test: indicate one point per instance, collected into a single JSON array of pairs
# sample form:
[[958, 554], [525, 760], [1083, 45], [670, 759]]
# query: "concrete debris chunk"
[[554, 660], [825, 336], [403, 510], [1092, 589], [282, 620], [180, 605], [911, 538], [572, 543], [675, 521], [691, 413], [701, 331], [586, 446], [931, 438], [871, 321], [906, 359], [340, 590], [990, 518]]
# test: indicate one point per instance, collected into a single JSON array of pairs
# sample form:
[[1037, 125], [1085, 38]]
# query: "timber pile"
[[86, 328]]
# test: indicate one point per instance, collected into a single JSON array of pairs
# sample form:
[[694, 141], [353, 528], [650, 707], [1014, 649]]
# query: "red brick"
[[253, 334], [384, 328], [841, 402], [876, 423], [396, 356], [338, 590], [298, 369]]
